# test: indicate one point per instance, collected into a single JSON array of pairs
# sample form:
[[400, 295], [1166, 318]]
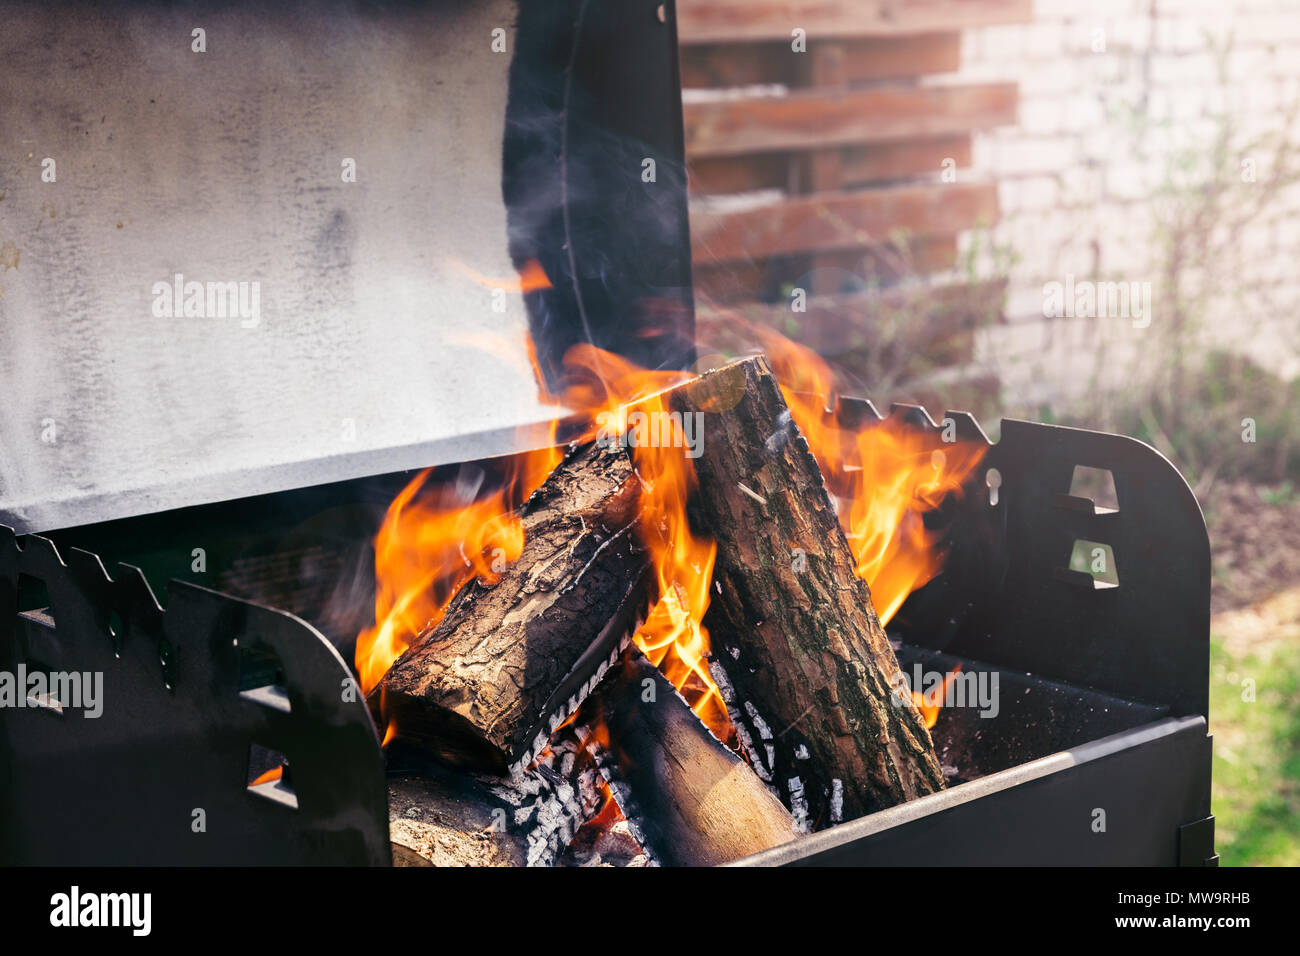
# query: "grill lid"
[[376, 329]]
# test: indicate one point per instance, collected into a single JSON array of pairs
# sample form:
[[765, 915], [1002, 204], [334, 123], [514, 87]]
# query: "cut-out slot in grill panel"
[[39, 689], [1092, 564], [261, 678], [268, 776], [1093, 487]]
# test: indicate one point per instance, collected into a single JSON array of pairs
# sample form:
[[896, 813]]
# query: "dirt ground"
[[1255, 543]]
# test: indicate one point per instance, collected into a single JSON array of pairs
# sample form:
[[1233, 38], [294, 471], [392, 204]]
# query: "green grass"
[[1256, 746]]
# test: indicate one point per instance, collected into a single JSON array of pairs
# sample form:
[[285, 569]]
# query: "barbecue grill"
[[217, 577]]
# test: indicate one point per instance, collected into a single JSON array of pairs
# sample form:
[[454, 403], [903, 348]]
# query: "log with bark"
[[807, 673], [809, 676], [544, 816], [509, 662], [691, 800], [684, 798]]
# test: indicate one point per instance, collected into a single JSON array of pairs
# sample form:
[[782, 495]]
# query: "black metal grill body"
[[1100, 753], [1121, 672], [1102, 703]]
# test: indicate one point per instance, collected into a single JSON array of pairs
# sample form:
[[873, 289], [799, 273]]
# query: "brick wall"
[[1078, 197]]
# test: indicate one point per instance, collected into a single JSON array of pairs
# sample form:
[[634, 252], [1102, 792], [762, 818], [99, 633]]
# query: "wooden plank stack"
[[848, 144]]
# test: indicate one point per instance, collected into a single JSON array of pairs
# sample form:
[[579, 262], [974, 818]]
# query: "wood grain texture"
[[798, 642], [473, 689], [697, 802], [742, 21], [840, 220], [831, 116]]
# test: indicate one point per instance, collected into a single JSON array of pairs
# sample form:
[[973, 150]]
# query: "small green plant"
[[1284, 494]]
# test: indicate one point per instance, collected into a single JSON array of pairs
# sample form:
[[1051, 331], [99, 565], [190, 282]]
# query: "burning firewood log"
[[685, 799], [508, 662], [798, 652], [803, 663], [693, 802], [447, 818]]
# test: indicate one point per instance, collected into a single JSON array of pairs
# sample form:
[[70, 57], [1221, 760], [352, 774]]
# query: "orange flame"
[[275, 773], [438, 536], [390, 733], [929, 704], [434, 539], [531, 278], [883, 477], [673, 636]]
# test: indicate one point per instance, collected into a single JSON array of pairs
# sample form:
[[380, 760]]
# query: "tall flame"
[[437, 536], [929, 703], [884, 477], [673, 636]]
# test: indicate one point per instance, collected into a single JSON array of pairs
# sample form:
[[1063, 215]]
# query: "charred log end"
[[447, 819], [697, 803], [441, 733]]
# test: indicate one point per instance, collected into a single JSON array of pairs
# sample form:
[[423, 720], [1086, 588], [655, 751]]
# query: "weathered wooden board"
[[832, 325], [742, 281], [741, 21], [841, 220], [908, 158], [839, 116], [875, 58]]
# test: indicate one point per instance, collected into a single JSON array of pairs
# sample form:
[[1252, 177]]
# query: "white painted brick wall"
[[1077, 197]]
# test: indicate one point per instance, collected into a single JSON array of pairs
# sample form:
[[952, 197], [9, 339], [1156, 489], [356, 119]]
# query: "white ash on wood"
[[607, 846], [447, 818], [690, 800]]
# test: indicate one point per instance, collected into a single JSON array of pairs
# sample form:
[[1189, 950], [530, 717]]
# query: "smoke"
[[595, 185]]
